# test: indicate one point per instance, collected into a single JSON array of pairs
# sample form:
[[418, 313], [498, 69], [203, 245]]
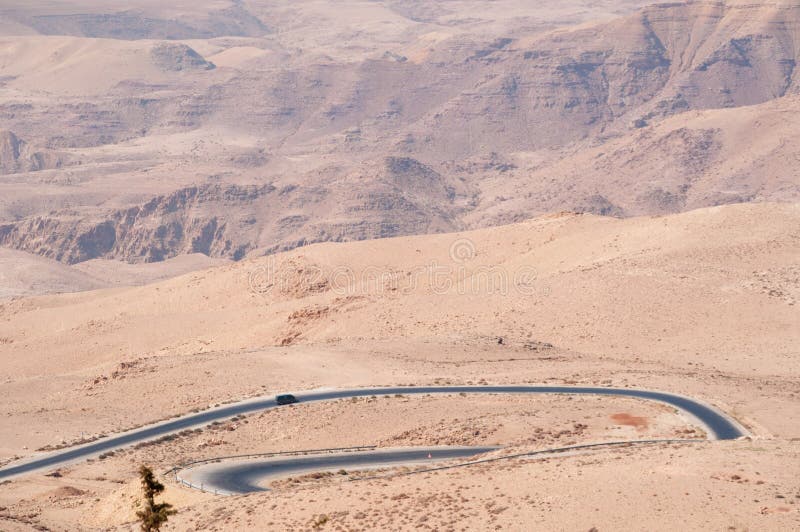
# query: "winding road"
[[241, 475], [717, 424], [226, 478]]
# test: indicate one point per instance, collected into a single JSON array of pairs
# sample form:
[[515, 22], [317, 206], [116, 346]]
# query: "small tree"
[[154, 515]]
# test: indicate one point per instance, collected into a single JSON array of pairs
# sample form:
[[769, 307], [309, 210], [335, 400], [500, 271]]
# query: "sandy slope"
[[26, 274], [702, 303], [708, 291], [113, 273]]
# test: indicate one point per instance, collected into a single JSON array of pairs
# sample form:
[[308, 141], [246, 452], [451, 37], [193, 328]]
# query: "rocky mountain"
[[229, 221], [257, 135]]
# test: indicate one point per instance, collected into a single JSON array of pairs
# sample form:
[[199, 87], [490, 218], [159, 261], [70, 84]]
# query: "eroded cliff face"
[[190, 220], [650, 113], [607, 78], [230, 221], [17, 156], [9, 151]]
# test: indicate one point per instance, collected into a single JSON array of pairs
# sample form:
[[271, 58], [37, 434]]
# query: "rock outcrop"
[[17, 156], [674, 107], [190, 220], [9, 152], [176, 57]]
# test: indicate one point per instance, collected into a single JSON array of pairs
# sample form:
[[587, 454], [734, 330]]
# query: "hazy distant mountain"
[[139, 135]]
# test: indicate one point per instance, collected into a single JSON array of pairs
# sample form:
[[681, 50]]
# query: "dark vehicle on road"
[[285, 399]]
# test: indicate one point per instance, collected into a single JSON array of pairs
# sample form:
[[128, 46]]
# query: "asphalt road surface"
[[717, 424], [248, 476], [233, 476]]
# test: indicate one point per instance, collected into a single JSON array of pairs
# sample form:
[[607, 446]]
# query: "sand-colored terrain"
[[212, 200], [25, 274], [231, 129], [702, 303]]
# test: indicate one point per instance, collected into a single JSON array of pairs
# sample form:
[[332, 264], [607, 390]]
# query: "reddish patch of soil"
[[631, 421]]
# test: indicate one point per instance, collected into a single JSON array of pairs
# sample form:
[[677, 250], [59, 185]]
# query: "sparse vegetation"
[[319, 521], [613, 177], [154, 515]]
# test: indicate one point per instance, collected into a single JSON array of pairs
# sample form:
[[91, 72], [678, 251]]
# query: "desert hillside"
[[707, 293], [702, 303], [228, 129], [407, 265]]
